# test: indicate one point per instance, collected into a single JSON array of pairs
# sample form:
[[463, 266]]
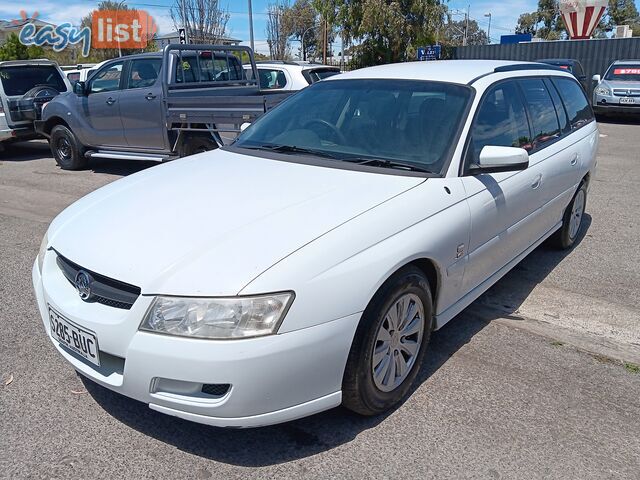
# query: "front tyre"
[[389, 344], [198, 143], [566, 236], [66, 149]]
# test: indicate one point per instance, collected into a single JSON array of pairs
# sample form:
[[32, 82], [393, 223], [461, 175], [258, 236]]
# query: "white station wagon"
[[306, 265]]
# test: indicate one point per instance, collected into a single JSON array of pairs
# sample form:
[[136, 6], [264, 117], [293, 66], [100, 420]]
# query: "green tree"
[[14, 50], [386, 30], [621, 12], [455, 31], [546, 22], [528, 23], [302, 19]]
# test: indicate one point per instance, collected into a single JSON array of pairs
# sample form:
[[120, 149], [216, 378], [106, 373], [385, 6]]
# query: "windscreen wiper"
[[291, 149], [386, 163]]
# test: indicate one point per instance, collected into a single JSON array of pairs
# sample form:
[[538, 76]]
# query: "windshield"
[[413, 122], [19, 80], [625, 73]]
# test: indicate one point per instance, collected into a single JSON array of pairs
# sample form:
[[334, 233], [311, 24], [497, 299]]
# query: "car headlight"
[[603, 91], [43, 250], [217, 318]]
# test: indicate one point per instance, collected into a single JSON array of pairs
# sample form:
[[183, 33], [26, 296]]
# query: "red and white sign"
[[582, 16], [626, 71]]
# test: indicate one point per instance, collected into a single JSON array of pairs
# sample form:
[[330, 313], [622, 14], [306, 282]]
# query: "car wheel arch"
[[52, 122], [428, 266]]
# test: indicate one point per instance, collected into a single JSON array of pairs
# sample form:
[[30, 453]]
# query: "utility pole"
[[466, 26], [342, 50], [253, 47], [489, 28], [324, 41]]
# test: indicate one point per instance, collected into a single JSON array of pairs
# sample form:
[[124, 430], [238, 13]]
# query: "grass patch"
[[557, 343], [631, 367]]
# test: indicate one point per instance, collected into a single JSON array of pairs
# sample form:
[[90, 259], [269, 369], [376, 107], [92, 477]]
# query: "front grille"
[[104, 290], [215, 389], [626, 92]]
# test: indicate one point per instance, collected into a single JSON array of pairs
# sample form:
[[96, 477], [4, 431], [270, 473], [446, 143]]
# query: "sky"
[[504, 14]]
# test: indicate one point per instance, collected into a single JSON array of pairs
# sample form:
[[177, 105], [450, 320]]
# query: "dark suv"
[[573, 66]]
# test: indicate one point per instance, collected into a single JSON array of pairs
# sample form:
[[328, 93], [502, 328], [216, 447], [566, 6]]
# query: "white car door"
[[575, 151], [555, 151], [505, 206]]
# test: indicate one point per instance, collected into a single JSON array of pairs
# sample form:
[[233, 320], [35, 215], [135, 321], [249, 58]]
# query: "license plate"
[[77, 339], [627, 100]]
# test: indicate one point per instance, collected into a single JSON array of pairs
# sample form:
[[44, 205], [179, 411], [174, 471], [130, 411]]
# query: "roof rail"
[[278, 62], [526, 66]]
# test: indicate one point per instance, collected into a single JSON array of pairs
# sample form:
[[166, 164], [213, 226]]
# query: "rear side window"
[[144, 72], [575, 102], [501, 121], [271, 78], [19, 80], [562, 115], [542, 113], [317, 74]]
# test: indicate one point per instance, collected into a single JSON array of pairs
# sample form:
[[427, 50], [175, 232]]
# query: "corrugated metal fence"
[[594, 55]]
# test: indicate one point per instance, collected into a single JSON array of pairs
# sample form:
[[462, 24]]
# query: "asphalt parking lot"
[[537, 379]]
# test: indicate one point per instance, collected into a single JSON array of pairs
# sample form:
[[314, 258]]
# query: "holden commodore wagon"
[[306, 265]]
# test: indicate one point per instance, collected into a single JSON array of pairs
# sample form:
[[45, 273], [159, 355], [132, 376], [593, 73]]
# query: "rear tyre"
[[197, 144], [389, 344], [66, 149], [567, 234]]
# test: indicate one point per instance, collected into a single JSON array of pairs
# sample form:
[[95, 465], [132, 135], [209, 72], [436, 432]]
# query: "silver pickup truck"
[[155, 106]]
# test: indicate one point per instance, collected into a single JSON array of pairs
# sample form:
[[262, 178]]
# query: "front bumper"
[[611, 104], [272, 379]]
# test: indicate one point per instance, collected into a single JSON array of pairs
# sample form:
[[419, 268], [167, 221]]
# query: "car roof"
[[452, 71], [558, 61], [626, 62], [293, 65], [39, 61]]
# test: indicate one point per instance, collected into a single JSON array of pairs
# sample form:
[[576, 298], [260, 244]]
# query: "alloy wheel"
[[576, 214], [398, 342]]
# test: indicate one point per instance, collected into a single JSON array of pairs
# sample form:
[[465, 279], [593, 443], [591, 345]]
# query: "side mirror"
[[244, 126], [79, 88], [500, 159], [596, 78]]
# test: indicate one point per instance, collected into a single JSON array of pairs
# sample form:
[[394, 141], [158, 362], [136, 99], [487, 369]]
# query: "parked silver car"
[[619, 90]]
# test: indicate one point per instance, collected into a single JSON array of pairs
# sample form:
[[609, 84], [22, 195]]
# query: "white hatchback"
[[286, 76], [307, 264]]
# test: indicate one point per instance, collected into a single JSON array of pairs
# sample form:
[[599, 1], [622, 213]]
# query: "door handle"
[[574, 159], [536, 183], [150, 96], [111, 101]]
